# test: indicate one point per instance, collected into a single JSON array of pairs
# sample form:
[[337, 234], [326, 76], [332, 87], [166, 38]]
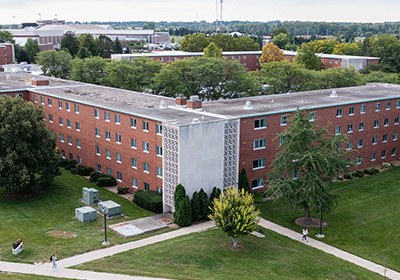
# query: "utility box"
[[110, 207], [85, 214], [90, 196]]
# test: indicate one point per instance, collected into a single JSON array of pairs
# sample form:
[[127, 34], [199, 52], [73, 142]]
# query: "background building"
[[7, 53]]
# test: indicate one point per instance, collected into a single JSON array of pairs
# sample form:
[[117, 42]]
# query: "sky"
[[193, 10]]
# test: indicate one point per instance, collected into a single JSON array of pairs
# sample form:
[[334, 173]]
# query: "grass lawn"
[[207, 255], [31, 219], [366, 221], [17, 276]]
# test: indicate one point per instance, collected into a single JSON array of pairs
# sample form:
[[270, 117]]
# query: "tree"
[[280, 30], [71, 43], [149, 26], [179, 195], [271, 53], [308, 161], [387, 47], [87, 41], [203, 204], [83, 53], [234, 213], [89, 70], [194, 43], [224, 41], [196, 207], [324, 46], [117, 46], [306, 56], [103, 46], [212, 51], [243, 43], [244, 181], [53, 63], [283, 40], [32, 48], [347, 49], [21, 55], [28, 162], [381, 77], [183, 214], [6, 36], [338, 77]]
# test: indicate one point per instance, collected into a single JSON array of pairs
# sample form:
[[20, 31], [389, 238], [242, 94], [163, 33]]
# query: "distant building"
[[250, 59], [7, 53]]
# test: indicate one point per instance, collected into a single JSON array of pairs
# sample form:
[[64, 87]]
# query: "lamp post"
[[320, 235], [105, 242]]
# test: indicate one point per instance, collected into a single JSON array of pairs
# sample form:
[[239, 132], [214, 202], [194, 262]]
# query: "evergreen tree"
[[203, 204], [183, 213], [179, 194], [117, 46], [196, 207], [215, 193], [71, 43], [244, 181]]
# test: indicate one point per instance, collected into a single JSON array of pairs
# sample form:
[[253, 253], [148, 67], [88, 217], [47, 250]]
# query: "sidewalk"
[[389, 273]]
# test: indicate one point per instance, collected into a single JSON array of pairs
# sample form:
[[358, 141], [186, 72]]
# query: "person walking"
[[53, 259], [305, 233]]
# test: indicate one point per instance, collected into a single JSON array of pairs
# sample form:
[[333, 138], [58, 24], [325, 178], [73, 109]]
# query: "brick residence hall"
[[153, 142]]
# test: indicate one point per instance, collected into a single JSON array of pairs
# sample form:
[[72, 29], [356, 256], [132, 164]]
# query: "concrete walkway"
[[389, 273]]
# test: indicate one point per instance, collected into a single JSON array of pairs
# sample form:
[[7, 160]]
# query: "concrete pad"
[[257, 234], [126, 229]]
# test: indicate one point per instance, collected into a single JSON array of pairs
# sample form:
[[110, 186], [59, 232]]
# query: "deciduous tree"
[[271, 53], [6, 36], [212, 51], [194, 43], [306, 57], [32, 48], [71, 43], [53, 63]]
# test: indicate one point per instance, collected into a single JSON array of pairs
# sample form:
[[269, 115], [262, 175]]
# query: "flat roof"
[[148, 105]]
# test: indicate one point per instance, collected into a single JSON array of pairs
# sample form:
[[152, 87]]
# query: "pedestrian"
[[305, 233], [54, 258]]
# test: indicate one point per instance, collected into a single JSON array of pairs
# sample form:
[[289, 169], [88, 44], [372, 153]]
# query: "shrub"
[[83, 170], [258, 197], [244, 181], [106, 181], [215, 193], [122, 190], [348, 176], [179, 194], [183, 215], [386, 165], [340, 178], [204, 204], [149, 200], [73, 170], [94, 176], [371, 171], [196, 207], [68, 164], [359, 173], [374, 171]]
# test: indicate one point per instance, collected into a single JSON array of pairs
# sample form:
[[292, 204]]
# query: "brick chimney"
[[40, 82], [194, 102], [180, 100]]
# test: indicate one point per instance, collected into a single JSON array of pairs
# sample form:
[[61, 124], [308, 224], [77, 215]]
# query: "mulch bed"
[[237, 248], [61, 233], [315, 222]]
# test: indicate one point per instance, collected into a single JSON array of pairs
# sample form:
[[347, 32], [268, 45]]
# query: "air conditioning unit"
[[110, 207], [85, 214], [90, 196]]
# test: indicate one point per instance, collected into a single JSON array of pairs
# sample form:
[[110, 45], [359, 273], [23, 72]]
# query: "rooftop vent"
[[196, 120], [163, 105], [7, 76], [248, 106], [333, 94]]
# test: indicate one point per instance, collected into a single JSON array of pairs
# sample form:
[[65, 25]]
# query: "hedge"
[[149, 200]]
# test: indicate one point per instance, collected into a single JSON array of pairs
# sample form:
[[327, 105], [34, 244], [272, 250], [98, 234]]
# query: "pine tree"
[[196, 207], [183, 215], [117, 46], [203, 204], [179, 194], [244, 181]]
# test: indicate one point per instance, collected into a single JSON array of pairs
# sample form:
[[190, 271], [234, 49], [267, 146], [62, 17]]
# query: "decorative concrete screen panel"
[[231, 153], [170, 165]]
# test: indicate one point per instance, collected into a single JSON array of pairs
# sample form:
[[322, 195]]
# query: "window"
[[68, 123], [383, 154], [70, 156], [117, 119], [386, 122], [284, 120], [49, 102], [360, 143], [339, 112], [312, 117], [259, 144], [42, 100], [159, 151], [79, 159], [119, 158], [376, 123], [146, 186], [61, 121], [134, 183], [244, 63], [145, 126], [362, 109], [159, 171], [351, 110], [108, 154], [374, 140], [98, 168], [159, 190], [162, 59], [109, 171], [35, 98], [70, 140], [96, 113], [258, 163], [238, 56], [377, 107], [78, 143], [108, 135], [118, 138], [294, 174], [134, 163], [373, 156], [257, 183], [97, 131], [133, 143], [384, 138], [146, 167], [159, 128], [348, 145], [233, 57], [133, 122], [98, 151], [77, 108], [50, 118], [67, 106], [62, 153], [169, 58], [59, 104], [338, 130], [396, 120], [388, 105], [358, 160], [62, 137], [260, 123], [107, 116], [281, 140], [361, 126], [393, 153], [348, 159], [145, 147], [78, 126], [398, 104], [395, 136], [350, 128]]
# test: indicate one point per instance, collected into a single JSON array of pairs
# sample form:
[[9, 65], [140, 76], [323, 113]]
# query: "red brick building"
[[7, 54], [152, 142]]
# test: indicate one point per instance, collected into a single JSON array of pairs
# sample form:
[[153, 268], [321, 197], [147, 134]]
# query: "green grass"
[[207, 255], [31, 219], [365, 223], [17, 276]]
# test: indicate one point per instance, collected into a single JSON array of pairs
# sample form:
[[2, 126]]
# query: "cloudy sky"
[[192, 10]]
